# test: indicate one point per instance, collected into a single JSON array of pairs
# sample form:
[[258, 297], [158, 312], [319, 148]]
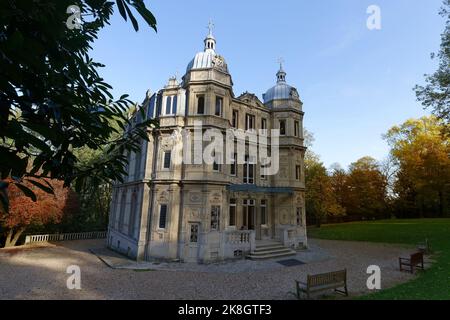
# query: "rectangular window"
[[282, 127], [249, 122], [215, 216], [216, 166], [174, 104], [297, 172], [200, 104], [193, 238], [162, 216], [235, 119], [299, 217], [233, 165], [263, 211], [168, 105], [219, 106], [296, 129], [232, 217], [167, 159], [263, 123], [249, 171]]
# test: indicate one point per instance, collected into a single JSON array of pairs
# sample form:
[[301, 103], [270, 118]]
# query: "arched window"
[[201, 105]]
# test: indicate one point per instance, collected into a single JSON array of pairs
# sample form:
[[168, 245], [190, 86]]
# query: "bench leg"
[[345, 291]]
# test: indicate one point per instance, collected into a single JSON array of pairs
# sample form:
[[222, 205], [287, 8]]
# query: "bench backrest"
[[416, 257], [327, 278]]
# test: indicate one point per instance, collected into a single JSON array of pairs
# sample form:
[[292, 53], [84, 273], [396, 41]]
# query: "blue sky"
[[355, 83]]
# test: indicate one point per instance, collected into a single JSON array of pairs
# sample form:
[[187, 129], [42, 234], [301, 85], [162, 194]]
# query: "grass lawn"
[[434, 283]]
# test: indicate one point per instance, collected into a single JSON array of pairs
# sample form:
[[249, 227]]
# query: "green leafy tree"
[[436, 93], [52, 98]]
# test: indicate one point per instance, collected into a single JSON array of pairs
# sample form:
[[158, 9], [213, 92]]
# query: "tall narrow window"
[[219, 106], [162, 216], [249, 171], [282, 127], [297, 172], [174, 104], [168, 105], [216, 165], [233, 165], [299, 216], [215, 216], [232, 215], [201, 104], [235, 119], [296, 129], [263, 123], [263, 211], [249, 122], [167, 159]]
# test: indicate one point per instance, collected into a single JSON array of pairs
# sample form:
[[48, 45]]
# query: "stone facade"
[[199, 212]]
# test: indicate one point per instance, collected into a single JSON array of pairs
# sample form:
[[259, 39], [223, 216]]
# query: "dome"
[[208, 58], [281, 90], [202, 60]]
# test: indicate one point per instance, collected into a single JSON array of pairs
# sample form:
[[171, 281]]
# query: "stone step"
[[286, 253], [271, 251], [270, 248]]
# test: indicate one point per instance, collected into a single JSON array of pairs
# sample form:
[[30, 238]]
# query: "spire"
[[281, 74], [210, 41]]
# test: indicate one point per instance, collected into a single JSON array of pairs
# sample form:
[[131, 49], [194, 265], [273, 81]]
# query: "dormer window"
[[171, 105]]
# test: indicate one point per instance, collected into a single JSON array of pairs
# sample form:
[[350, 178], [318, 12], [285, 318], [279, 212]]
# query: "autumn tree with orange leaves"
[[23, 212]]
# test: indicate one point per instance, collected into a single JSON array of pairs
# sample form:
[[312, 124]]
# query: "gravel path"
[[40, 273]]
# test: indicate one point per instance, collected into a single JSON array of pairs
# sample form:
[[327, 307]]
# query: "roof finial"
[[210, 27], [280, 60], [281, 74]]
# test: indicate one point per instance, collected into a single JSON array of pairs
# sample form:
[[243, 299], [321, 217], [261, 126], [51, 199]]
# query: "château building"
[[210, 212]]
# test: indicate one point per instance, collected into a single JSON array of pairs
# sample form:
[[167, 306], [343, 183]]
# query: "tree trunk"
[[441, 204], [12, 238]]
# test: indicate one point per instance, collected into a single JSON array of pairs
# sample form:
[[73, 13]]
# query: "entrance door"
[[249, 218], [193, 232]]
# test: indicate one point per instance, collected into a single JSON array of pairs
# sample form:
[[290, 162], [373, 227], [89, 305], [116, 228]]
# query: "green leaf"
[[41, 186], [132, 18], [121, 6], [27, 191]]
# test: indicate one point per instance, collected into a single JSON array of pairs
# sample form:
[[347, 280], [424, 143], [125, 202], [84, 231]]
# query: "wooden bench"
[[414, 261], [424, 247], [322, 282]]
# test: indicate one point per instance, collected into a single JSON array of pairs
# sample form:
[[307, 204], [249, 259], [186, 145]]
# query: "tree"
[[366, 189], [52, 99], [338, 180], [24, 211], [436, 93], [422, 153], [320, 201]]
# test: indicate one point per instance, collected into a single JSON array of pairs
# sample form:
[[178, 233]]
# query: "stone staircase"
[[270, 250]]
